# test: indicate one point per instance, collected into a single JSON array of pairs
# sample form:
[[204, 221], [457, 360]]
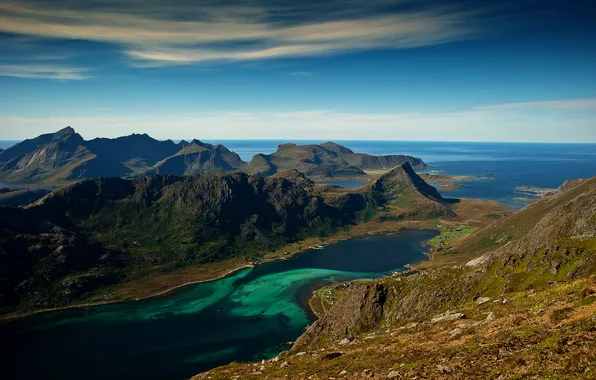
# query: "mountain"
[[20, 196], [46, 158], [137, 152], [523, 307], [326, 160], [65, 157], [79, 239], [198, 157]]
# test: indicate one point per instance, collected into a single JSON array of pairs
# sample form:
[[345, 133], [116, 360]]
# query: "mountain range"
[[65, 157], [82, 238]]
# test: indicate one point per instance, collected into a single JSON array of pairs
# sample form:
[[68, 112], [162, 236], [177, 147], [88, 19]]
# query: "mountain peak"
[[66, 131], [404, 178], [337, 148]]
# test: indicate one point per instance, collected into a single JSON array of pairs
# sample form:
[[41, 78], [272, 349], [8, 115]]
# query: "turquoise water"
[[246, 316]]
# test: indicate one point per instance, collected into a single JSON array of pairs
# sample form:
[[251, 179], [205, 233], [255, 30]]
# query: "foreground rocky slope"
[[526, 307], [84, 237]]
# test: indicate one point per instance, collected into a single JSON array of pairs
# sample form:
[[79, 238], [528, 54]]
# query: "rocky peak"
[[337, 148], [404, 178]]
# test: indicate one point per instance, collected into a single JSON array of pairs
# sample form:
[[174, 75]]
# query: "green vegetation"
[[114, 231], [446, 237]]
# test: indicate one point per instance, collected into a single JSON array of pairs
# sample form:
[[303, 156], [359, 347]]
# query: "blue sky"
[[356, 69]]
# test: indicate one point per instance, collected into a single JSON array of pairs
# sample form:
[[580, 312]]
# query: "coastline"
[[285, 252], [11, 317], [343, 235]]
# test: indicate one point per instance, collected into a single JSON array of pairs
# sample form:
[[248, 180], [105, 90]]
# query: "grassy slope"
[[545, 328], [546, 334]]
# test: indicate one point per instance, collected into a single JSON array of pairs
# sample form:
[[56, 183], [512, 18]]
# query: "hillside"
[[198, 157], [328, 160], [20, 196], [525, 308], [96, 233]]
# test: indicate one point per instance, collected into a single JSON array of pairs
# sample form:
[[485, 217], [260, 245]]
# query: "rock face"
[[325, 160], [172, 221]]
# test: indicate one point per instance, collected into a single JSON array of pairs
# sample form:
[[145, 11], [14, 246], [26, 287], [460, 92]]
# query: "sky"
[[424, 70]]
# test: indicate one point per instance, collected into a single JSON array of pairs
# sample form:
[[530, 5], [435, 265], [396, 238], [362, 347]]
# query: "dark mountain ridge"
[[65, 157]]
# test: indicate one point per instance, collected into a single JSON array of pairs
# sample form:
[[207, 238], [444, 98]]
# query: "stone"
[[284, 365], [469, 324], [393, 375], [481, 300], [447, 316], [504, 353], [300, 354], [343, 373], [444, 369], [344, 341], [491, 317], [455, 333]]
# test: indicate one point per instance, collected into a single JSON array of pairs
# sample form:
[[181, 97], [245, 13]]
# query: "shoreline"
[[366, 229], [9, 318], [333, 239]]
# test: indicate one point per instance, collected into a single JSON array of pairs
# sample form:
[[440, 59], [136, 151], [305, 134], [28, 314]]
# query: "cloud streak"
[[586, 104], [187, 34], [44, 72]]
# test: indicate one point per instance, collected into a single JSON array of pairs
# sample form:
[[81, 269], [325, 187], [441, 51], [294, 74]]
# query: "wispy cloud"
[[301, 74], [587, 104], [44, 72], [183, 34]]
